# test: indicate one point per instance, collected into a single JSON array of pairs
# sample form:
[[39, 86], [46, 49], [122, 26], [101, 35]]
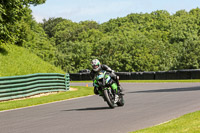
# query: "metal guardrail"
[[13, 87]]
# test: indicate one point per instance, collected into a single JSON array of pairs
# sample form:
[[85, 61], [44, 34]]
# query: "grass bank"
[[15, 60], [189, 123], [81, 91]]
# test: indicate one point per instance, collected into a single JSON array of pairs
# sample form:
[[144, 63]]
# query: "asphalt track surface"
[[146, 104]]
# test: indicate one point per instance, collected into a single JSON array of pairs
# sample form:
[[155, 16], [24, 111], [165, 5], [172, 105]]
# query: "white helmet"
[[96, 65]]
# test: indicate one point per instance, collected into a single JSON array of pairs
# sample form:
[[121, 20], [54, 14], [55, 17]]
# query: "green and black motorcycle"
[[108, 89]]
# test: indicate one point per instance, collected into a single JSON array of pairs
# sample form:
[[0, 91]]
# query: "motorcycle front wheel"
[[109, 97]]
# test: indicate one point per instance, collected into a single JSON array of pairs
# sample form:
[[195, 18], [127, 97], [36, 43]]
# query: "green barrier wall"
[[22, 86]]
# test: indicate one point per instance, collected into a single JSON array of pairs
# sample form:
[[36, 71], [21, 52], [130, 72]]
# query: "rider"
[[96, 67]]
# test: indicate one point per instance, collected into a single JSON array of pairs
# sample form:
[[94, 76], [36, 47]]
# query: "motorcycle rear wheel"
[[121, 101]]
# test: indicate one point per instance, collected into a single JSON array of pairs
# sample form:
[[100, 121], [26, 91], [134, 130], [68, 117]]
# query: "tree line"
[[157, 41]]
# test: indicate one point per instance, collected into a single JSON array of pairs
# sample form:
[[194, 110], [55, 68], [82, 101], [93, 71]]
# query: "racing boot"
[[96, 91], [120, 89], [116, 98]]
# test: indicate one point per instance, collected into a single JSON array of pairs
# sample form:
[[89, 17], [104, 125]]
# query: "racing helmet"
[[96, 65]]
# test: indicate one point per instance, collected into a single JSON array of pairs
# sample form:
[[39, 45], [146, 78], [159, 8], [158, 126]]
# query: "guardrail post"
[[67, 81]]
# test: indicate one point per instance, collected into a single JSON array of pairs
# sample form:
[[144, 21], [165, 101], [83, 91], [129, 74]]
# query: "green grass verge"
[[82, 91], [189, 123]]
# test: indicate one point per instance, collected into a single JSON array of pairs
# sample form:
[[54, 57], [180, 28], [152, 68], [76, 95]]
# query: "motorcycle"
[[108, 89]]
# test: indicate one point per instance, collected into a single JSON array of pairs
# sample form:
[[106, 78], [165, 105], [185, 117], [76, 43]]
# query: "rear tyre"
[[121, 101], [109, 97]]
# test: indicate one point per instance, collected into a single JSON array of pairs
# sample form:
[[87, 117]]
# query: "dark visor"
[[95, 66]]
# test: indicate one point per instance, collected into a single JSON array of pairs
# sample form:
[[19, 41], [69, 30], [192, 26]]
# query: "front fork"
[[114, 89]]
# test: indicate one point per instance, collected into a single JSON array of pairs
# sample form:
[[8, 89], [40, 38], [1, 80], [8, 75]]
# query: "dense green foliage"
[[13, 15], [138, 42], [156, 41]]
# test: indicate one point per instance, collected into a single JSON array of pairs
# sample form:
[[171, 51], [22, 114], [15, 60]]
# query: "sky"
[[103, 10]]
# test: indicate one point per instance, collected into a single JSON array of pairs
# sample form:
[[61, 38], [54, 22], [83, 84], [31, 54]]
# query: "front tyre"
[[109, 97]]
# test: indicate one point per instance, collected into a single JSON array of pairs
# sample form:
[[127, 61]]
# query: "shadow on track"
[[86, 109], [169, 90]]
